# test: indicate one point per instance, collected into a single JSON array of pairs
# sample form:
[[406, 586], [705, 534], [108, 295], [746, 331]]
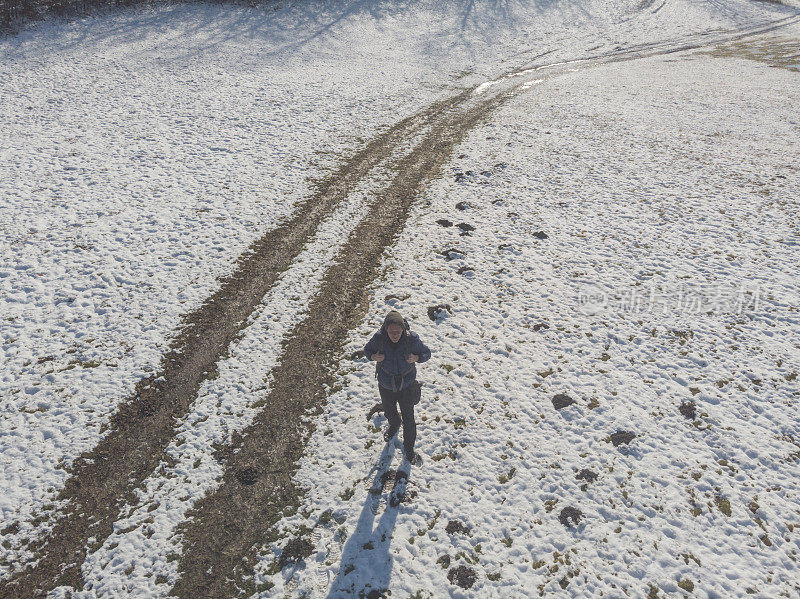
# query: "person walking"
[[396, 351]]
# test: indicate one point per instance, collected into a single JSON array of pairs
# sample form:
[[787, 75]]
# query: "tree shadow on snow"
[[366, 564], [287, 27]]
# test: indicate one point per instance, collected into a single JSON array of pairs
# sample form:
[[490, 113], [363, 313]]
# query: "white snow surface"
[[143, 151]]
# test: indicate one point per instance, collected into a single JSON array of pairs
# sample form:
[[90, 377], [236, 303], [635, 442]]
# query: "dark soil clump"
[[688, 410], [569, 516], [376, 409], [295, 551], [462, 576], [455, 527], [622, 438], [586, 475], [247, 476], [561, 401]]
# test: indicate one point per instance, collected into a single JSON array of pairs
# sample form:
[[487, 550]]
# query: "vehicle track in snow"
[[230, 524], [226, 528], [104, 480]]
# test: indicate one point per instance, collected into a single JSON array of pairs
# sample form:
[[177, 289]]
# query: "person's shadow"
[[366, 564]]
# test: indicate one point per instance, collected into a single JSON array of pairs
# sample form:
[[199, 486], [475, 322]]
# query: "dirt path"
[[102, 481], [228, 525]]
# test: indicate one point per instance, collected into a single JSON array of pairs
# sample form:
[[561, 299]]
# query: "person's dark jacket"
[[394, 372]]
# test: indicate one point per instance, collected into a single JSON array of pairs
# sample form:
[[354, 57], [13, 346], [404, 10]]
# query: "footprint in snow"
[[452, 254], [439, 311], [588, 476]]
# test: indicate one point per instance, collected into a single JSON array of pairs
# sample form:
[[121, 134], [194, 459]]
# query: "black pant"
[[390, 399]]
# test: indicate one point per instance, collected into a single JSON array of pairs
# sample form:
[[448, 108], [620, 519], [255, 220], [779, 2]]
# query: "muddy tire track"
[[103, 480], [225, 528]]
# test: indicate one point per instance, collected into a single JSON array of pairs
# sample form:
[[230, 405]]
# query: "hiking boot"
[[413, 458], [390, 432]]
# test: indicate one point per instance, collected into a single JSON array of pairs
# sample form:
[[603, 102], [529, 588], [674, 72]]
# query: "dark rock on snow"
[[444, 222], [452, 253], [541, 325], [540, 235], [586, 475]]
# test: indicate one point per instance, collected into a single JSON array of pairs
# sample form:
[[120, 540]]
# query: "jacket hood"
[[394, 317]]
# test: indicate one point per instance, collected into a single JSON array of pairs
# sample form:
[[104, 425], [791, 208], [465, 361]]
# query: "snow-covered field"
[[667, 276], [142, 152]]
